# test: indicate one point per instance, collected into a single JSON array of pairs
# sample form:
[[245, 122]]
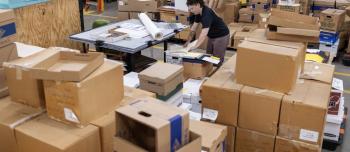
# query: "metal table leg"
[[165, 49], [130, 62]]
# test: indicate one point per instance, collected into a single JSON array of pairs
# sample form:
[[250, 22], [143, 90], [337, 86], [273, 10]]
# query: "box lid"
[[212, 134], [68, 66], [310, 93], [270, 48], [8, 53], [6, 14], [331, 11], [318, 71], [161, 72]]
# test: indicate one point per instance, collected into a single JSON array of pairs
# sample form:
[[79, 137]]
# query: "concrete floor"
[[342, 72]]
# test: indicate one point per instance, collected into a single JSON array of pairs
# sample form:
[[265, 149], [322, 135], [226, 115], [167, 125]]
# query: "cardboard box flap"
[[56, 134], [293, 20], [6, 14], [68, 66], [105, 67], [296, 45], [332, 12], [273, 35], [193, 145], [13, 114], [302, 32], [8, 53], [161, 72], [212, 134], [268, 48], [319, 72], [310, 93], [30, 61]]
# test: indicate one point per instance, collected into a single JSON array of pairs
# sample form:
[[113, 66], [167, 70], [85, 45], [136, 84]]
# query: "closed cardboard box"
[[45, 134], [231, 137], [303, 112], [259, 110], [23, 87], [79, 103], [248, 141], [13, 115], [161, 78], [122, 16], [332, 19], [221, 93], [231, 12], [282, 26], [138, 5], [268, 66], [197, 70], [286, 145], [7, 27], [213, 135], [153, 125], [67, 66]]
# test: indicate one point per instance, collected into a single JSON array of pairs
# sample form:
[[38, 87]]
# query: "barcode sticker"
[[308, 135], [70, 115]]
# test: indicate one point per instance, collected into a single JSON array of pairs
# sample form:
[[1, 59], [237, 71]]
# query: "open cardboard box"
[[67, 66], [153, 125], [194, 145]]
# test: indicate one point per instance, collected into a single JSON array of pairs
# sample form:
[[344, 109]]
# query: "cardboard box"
[[286, 145], [153, 125], [332, 19], [259, 110], [231, 137], [332, 129], [122, 16], [319, 72], [303, 112], [213, 135], [246, 15], [163, 82], [231, 12], [45, 134], [305, 6], [328, 37], [221, 93], [13, 115], [277, 66], [7, 27], [138, 6], [282, 26], [67, 66], [193, 145], [289, 7], [23, 87], [197, 70], [247, 141], [79, 103]]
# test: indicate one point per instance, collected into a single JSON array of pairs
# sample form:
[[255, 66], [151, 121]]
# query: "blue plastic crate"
[[328, 37], [6, 4]]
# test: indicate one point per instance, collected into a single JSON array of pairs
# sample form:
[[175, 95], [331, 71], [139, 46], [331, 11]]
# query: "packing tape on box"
[[29, 117]]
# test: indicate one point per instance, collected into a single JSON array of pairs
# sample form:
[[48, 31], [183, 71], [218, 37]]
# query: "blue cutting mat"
[[6, 4]]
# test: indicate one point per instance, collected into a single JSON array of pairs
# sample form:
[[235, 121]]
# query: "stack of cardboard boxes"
[[8, 49], [252, 13], [331, 23], [259, 94], [78, 91]]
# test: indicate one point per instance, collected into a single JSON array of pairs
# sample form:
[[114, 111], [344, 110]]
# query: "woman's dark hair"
[[194, 2]]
